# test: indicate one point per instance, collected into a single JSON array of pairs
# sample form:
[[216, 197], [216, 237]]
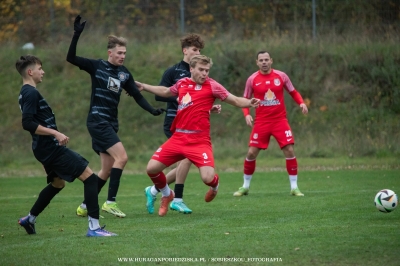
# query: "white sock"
[[165, 191], [109, 202], [153, 191], [83, 206], [178, 200], [93, 223], [293, 181], [247, 180], [32, 218], [215, 188]]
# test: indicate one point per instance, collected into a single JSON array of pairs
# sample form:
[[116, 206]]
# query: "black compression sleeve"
[[28, 124], [163, 99], [72, 48], [142, 102]]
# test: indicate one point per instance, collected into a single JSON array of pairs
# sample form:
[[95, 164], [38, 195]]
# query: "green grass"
[[335, 223]]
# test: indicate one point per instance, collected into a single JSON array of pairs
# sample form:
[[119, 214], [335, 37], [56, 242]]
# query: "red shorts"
[[181, 146], [261, 134]]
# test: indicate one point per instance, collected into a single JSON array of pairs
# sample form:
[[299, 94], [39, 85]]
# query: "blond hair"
[[202, 59], [113, 41]]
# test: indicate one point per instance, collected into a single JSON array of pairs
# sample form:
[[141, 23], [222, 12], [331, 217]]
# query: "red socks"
[[159, 180], [291, 166]]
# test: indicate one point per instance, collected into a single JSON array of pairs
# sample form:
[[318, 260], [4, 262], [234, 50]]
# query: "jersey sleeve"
[[167, 80], [30, 101], [219, 91], [248, 89], [174, 88], [290, 88]]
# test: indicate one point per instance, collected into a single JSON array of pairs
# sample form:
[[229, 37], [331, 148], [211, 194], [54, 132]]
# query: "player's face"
[[200, 72], [116, 55], [189, 52], [264, 62], [36, 72]]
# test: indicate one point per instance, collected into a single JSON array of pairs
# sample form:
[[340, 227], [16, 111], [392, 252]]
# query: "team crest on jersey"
[[268, 82], [277, 82], [198, 87], [185, 102], [269, 99], [190, 86], [122, 76], [255, 136], [113, 84]]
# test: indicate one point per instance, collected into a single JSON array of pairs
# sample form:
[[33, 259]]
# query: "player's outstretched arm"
[[78, 28], [242, 102], [157, 90]]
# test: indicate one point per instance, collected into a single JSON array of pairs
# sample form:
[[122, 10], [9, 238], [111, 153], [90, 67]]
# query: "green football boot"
[[296, 192], [81, 211], [242, 191], [113, 208]]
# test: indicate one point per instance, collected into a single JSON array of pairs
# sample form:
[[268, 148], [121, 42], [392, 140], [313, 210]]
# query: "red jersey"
[[195, 102], [269, 89]]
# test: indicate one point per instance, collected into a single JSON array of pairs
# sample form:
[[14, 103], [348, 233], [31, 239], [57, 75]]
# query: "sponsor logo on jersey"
[[185, 102], [269, 99], [277, 82], [258, 83], [113, 84], [122, 76]]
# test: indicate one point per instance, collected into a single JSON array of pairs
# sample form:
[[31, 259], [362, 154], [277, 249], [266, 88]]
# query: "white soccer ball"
[[386, 200]]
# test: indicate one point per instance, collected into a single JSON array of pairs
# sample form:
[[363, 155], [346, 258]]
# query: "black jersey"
[[32, 102], [108, 81], [169, 78]]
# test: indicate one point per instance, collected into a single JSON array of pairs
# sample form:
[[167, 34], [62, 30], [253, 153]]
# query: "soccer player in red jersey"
[[268, 85], [191, 127]]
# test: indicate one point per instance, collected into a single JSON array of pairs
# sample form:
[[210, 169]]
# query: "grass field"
[[335, 223]]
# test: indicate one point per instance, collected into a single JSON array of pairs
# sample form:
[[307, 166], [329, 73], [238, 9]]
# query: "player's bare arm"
[[157, 90], [216, 109], [242, 102], [249, 120], [304, 108], [44, 131]]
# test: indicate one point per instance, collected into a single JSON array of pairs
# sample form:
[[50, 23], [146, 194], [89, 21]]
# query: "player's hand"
[[158, 111], [139, 85], [78, 26], [249, 120], [254, 102], [216, 109], [61, 138], [304, 108]]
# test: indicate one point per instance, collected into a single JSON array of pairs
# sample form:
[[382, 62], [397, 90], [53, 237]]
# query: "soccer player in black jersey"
[[191, 45], [48, 144], [108, 79]]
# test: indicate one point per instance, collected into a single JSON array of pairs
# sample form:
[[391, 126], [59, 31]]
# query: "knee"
[[252, 155], [58, 183], [288, 151]]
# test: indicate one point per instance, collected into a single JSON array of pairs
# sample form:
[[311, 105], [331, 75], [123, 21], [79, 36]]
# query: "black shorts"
[[68, 165], [103, 136]]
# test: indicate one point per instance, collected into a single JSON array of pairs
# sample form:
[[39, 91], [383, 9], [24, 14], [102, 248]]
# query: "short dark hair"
[[192, 40], [262, 52], [24, 61], [113, 41]]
